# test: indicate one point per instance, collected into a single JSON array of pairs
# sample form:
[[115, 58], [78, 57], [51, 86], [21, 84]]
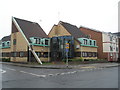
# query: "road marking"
[[2, 71], [72, 72], [42, 75], [33, 74], [56, 74], [62, 74], [75, 71], [11, 69]]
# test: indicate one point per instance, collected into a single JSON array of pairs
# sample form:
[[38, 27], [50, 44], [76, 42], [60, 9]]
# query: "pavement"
[[63, 66]]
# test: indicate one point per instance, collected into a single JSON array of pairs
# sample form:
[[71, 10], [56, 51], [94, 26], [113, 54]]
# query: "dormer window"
[[8, 43], [46, 42], [85, 41], [94, 43], [90, 42], [3, 44], [39, 41]]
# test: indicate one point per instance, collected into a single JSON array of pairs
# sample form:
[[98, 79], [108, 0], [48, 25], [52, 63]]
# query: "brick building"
[[106, 42]]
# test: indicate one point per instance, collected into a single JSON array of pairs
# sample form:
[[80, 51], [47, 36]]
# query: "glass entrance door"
[[58, 50]]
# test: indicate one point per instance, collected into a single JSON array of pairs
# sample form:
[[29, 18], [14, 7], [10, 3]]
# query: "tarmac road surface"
[[25, 77]]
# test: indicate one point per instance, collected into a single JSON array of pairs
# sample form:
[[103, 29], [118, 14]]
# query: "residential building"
[[107, 43], [118, 34], [80, 46], [110, 46], [28, 43], [5, 46], [96, 35]]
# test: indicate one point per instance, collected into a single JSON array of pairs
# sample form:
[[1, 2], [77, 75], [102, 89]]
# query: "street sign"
[[67, 50], [67, 45]]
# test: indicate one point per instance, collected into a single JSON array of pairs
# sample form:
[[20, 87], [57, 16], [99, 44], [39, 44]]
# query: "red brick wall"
[[95, 35]]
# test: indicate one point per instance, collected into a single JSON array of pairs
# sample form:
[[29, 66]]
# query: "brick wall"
[[95, 35]]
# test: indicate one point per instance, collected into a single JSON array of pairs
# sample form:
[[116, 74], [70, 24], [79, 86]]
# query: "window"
[[116, 48], [85, 41], [111, 54], [14, 54], [38, 54], [21, 54], [7, 54], [94, 43], [3, 54], [78, 54], [90, 42], [46, 42], [8, 43], [90, 54], [0, 42], [83, 54], [37, 41], [110, 38], [116, 40], [14, 41], [111, 49], [94, 54], [45, 54], [42, 42], [3, 44]]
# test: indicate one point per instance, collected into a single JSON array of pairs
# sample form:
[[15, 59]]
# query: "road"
[[24, 77]]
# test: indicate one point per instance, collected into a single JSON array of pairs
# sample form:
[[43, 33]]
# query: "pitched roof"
[[73, 30], [90, 29], [31, 29], [6, 38]]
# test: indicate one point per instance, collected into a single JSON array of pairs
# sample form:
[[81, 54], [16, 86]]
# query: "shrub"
[[81, 59], [6, 59]]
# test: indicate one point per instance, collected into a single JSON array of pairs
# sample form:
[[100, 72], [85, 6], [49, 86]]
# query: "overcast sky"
[[97, 14]]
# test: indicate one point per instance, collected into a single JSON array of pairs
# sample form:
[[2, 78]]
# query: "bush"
[[6, 59], [81, 59]]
